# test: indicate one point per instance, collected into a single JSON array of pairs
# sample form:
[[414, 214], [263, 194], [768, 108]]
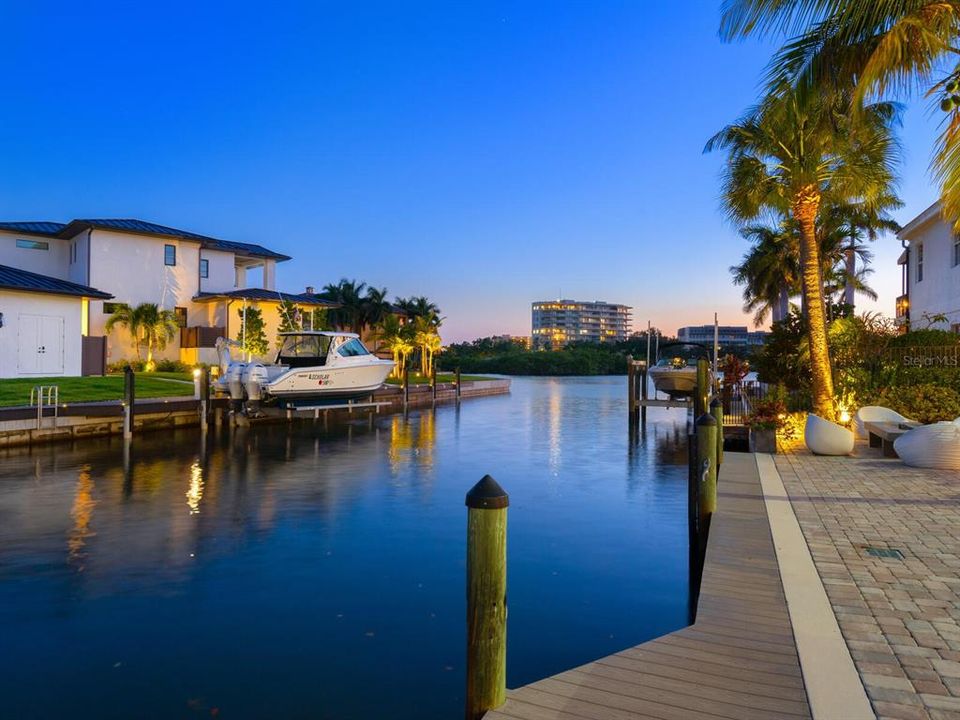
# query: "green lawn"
[[417, 379], [16, 391]]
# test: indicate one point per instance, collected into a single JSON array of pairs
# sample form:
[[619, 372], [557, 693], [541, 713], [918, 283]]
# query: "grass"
[[417, 379], [16, 391]]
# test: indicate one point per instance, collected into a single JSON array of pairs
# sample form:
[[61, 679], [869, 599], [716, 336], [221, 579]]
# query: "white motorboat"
[[311, 368], [676, 370]]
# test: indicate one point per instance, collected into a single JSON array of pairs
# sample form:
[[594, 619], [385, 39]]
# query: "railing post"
[[129, 396], [716, 409], [707, 466], [703, 388], [486, 597]]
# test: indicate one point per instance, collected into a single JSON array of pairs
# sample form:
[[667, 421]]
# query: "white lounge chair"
[[931, 446], [826, 438], [876, 413]]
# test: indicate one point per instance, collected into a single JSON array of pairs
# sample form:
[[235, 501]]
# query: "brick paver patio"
[[899, 615]]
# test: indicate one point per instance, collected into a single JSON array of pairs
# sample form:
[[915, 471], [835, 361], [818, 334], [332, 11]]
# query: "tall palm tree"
[[426, 338], [884, 46], [348, 297], [397, 338], [770, 271], [790, 154], [420, 307], [148, 325], [376, 307]]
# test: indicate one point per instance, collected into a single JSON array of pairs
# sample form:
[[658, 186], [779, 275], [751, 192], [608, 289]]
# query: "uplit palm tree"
[[396, 337], [148, 325], [770, 271], [420, 307], [426, 338], [791, 154], [884, 46]]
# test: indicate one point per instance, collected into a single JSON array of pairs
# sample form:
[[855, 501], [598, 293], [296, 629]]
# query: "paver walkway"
[[737, 662], [899, 616]]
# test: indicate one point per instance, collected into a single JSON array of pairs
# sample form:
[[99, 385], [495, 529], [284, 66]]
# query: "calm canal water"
[[301, 573]]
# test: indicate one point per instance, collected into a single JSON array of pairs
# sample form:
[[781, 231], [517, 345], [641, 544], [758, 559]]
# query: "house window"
[[33, 244], [110, 308], [956, 250], [920, 262], [169, 254], [204, 268], [181, 314]]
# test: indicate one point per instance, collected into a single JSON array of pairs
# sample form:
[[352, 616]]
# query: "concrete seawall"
[[74, 421]]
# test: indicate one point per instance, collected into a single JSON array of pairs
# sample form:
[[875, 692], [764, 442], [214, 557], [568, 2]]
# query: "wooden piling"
[[487, 504], [703, 388], [406, 385], [644, 393], [129, 396], [458, 384], [204, 398], [433, 381], [631, 387], [716, 409], [707, 467]]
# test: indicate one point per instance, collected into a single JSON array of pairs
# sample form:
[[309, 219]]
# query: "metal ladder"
[[50, 394]]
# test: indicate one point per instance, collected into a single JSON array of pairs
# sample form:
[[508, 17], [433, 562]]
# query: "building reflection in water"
[[81, 512]]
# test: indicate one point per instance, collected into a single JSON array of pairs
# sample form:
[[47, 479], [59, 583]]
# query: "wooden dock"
[[738, 661]]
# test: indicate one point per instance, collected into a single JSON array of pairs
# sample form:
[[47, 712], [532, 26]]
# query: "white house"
[[930, 273], [205, 280]]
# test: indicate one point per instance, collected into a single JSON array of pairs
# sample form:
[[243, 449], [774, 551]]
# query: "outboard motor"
[[254, 379], [233, 380]]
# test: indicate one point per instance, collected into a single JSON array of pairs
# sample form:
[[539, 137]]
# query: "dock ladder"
[[45, 396]]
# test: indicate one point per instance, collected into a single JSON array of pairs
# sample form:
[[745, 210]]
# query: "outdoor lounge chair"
[[876, 413], [931, 446], [826, 438]]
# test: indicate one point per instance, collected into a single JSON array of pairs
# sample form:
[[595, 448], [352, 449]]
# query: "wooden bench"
[[883, 434]]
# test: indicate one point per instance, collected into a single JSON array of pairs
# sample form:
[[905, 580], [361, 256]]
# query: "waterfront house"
[[88, 266], [930, 273]]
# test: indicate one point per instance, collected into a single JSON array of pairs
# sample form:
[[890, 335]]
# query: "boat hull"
[[675, 382], [330, 383]]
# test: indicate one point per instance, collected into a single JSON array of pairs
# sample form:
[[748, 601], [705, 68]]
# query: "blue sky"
[[484, 154]]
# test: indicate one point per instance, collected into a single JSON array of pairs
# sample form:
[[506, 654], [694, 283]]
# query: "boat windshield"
[[676, 362], [352, 347], [303, 350]]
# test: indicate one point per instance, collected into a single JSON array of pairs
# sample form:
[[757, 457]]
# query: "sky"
[[484, 154]]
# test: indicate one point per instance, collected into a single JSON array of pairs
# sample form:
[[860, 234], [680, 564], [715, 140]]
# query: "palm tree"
[[396, 337], [770, 271], [420, 307], [792, 153], [376, 307], [426, 338], [883, 46], [149, 326], [347, 295]]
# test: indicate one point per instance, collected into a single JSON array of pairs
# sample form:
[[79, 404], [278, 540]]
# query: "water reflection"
[[276, 568], [82, 513]]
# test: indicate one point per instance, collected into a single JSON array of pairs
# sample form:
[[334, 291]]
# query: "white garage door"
[[40, 345]]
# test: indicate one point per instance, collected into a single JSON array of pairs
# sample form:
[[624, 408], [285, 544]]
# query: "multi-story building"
[[60, 282], [727, 335], [558, 322], [930, 274]]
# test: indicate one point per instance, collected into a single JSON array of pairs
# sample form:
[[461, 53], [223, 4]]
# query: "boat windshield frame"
[[304, 350]]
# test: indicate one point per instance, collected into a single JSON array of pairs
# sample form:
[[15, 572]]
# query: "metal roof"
[[16, 279], [39, 227], [140, 227], [263, 295]]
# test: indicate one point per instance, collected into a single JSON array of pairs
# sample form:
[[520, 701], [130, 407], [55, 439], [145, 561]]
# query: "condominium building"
[[727, 335], [558, 322]]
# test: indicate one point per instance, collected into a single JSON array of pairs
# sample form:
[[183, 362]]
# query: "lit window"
[[33, 244], [169, 254], [181, 313], [204, 268]]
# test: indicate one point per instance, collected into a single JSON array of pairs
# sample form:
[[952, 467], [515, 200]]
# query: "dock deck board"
[[738, 661]]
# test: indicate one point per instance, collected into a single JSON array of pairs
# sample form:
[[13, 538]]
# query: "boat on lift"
[[675, 372], [311, 368]]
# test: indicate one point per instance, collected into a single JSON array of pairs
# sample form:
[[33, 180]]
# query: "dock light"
[[196, 373], [844, 417]]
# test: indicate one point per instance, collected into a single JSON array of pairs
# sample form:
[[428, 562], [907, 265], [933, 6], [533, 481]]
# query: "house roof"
[[16, 279], [141, 227], [931, 213], [33, 228], [262, 295]]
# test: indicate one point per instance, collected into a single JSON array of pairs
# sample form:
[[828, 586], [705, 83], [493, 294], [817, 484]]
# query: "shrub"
[[121, 365], [172, 366], [925, 403]]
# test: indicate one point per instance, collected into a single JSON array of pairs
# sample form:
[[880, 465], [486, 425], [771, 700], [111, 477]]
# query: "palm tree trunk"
[[805, 208], [851, 273]]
